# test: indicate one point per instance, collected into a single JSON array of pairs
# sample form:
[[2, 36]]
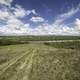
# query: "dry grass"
[[39, 62]]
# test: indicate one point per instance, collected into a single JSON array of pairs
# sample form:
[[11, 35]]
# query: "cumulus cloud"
[[4, 14], [14, 25], [62, 28], [77, 24], [19, 11], [31, 11], [6, 2], [37, 19], [10, 22]]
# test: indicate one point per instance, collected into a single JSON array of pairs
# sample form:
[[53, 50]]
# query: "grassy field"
[[39, 61], [7, 40]]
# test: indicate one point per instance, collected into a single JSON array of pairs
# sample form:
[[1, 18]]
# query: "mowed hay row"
[[39, 62]]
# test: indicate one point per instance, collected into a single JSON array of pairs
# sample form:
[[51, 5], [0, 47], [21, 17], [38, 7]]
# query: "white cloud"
[[31, 11], [6, 2], [4, 14], [37, 19], [60, 28], [61, 18], [77, 24], [16, 26], [12, 25], [34, 12], [19, 11]]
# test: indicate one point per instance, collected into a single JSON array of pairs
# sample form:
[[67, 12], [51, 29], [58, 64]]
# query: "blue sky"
[[48, 8], [40, 17]]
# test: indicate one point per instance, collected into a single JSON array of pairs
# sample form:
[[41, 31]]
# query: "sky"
[[40, 17]]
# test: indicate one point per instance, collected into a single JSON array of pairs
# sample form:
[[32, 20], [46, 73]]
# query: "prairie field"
[[40, 58]]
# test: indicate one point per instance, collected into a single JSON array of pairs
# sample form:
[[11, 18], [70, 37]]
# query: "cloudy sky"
[[39, 17]]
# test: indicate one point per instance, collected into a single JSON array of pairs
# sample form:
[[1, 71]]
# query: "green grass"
[[40, 62], [8, 40], [67, 45]]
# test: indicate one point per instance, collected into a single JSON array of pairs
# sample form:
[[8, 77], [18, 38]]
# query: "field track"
[[35, 62]]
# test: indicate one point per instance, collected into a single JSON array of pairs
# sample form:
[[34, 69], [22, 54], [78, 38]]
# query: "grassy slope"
[[39, 62]]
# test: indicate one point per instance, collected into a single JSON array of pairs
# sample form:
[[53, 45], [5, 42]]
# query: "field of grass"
[[39, 61], [7, 40]]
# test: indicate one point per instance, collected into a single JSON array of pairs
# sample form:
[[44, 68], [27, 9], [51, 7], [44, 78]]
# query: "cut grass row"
[[13, 66], [41, 63]]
